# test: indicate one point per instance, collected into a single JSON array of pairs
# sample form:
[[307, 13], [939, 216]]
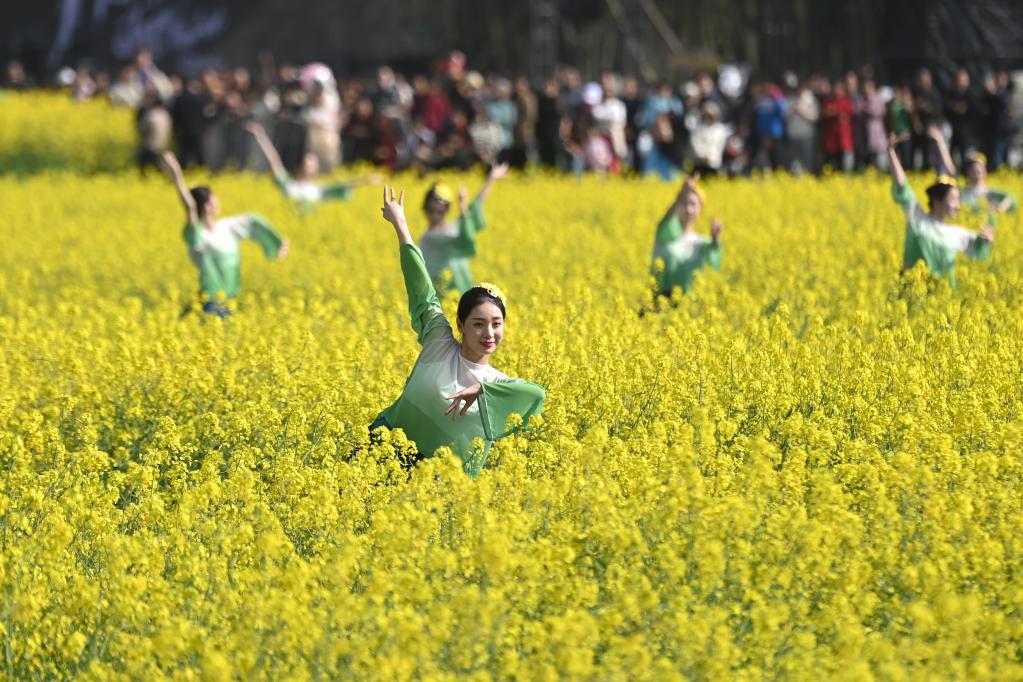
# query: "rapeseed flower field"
[[809, 467]]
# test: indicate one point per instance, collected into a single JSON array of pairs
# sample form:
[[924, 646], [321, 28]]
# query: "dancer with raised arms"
[[679, 250], [303, 188], [448, 247], [930, 236], [454, 395], [213, 242]]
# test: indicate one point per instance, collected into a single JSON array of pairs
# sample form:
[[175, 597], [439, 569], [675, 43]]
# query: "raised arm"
[[715, 232], [263, 140], [670, 227], [394, 213], [713, 251], [939, 141], [496, 173], [688, 187], [423, 303], [173, 169], [898, 173]]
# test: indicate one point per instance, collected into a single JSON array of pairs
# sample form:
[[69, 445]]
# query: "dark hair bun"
[[474, 297], [201, 196]]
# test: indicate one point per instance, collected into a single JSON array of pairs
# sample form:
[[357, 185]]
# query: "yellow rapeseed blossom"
[[43, 131], [807, 468]]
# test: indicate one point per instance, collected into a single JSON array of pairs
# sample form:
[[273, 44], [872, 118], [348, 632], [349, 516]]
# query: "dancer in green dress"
[[977, 196], [448, 247], [929, 235], [213, 244], [454, 396], [679, 250], [303, 189]]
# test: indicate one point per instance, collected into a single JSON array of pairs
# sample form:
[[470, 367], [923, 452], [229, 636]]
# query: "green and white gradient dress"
[[934, 242], [441, 370], [307, 195], [978, 200], [215, 252], [677, 255], [447, 250]]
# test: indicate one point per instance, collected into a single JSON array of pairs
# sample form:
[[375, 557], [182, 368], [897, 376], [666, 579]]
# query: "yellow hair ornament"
[[442, 192], [494, 291]]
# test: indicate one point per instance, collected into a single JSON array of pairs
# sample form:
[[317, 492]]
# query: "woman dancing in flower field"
[[976, 195], [679, 250], [929, 236], [213, 244], [447, 247], [302, 189], [454, 395]]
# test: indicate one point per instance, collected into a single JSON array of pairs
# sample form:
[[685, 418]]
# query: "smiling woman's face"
[[482, 330]]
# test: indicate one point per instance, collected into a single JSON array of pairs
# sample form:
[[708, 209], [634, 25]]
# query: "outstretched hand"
[[394, 209], [689, 185], [255, 128], [463, 400], [934, 132], [894, 140], [715, 228], [987, 234], [283, 250], [394, 213], [498, 171]]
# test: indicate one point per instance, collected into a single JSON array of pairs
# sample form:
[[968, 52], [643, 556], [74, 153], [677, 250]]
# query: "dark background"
[[652, 38]]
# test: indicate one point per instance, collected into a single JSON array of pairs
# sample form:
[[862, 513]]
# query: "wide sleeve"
[[423, 304], [499, 400], [964, 241], [475, 215], [340, 191], [256, 228], [906, 198], [469, 224], [281, 180], [712, 252], [995, 197], [668, 230], [903, 195], [192, 235], [978, 248]]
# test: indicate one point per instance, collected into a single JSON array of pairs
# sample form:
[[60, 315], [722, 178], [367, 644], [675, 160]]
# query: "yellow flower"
[[805, 467]]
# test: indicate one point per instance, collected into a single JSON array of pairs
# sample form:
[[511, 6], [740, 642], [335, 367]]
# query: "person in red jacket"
[[837, 134], [431, 104]]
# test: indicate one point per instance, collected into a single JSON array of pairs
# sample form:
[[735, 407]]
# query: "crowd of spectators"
[[453, 117]]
